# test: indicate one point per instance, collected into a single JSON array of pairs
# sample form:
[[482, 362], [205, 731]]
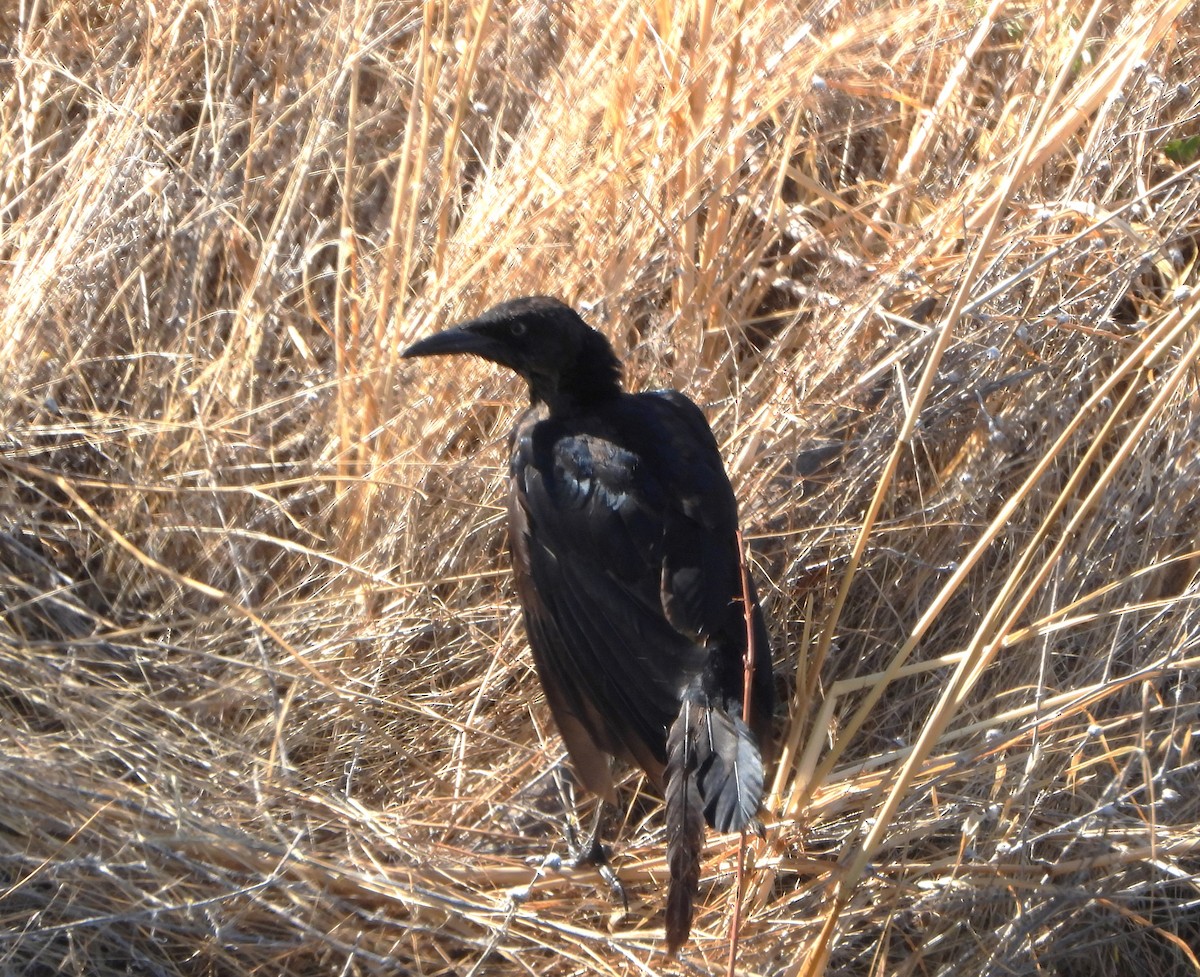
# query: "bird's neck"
[[587, 386]]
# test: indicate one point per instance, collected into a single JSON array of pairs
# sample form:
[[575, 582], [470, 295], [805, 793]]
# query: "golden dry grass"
[[931, 268]]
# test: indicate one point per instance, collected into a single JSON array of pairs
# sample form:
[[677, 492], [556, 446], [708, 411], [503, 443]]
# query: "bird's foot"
[[595, 853]]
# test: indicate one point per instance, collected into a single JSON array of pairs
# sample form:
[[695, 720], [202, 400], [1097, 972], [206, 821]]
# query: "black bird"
[[622, 527]]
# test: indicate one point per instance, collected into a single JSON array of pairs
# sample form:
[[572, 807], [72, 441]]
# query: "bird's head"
[[566, 362]]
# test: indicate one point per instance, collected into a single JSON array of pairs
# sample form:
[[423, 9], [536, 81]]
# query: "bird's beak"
[[456, 340], [462, 339]]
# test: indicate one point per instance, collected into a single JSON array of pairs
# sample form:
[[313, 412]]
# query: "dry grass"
[[932, 268]]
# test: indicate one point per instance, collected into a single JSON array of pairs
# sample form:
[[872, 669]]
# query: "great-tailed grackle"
[[623, 530]]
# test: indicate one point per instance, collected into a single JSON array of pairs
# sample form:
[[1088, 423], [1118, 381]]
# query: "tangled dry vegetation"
[[932, 270]]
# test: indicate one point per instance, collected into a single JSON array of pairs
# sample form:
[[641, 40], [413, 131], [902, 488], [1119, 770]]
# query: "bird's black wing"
[[701, 583], [624, 548]]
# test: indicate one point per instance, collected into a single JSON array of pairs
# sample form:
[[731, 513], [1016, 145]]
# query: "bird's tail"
[[713, 773], [685, 823]]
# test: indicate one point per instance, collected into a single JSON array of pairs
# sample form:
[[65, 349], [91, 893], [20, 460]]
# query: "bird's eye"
[[519, 328]]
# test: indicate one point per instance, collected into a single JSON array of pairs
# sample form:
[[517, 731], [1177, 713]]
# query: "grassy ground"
[[930, 268]]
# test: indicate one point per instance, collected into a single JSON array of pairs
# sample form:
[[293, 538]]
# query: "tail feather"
[[714, 773], [729, 770], [685, 825]]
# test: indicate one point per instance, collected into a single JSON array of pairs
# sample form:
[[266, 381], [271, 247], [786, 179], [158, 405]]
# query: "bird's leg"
[[592, 851], [589, 850]]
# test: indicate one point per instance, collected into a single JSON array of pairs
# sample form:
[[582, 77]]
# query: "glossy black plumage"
[[623, 535]]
